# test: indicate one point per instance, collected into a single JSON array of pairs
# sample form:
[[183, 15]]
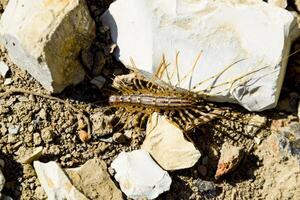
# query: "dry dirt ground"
[[264, 174]]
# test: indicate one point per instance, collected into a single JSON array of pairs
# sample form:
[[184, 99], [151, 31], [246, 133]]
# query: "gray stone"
[[98, 81], [14, 129], [46, 37], [206, 188]]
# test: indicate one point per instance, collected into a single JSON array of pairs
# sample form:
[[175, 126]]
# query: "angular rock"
[[3, 69], [55, 182], [35, 155], [139, 176], [229, 35], [166, 144], [207, 189], [98, 81], [231, 157], [94, 181], [46, 37]]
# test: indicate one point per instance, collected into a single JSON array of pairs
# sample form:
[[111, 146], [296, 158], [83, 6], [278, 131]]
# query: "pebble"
[[8, 81], [207, 188], [43, 114], [30, 128], [231, 156], [139, 176], [98, 81], [3, 69], [119, 138], [11, 139], [14, 129], [47, 135], [37, 140], [84, 136]]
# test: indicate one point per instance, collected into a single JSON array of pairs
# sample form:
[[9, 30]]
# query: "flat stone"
[[231, 157], [139, 176], [166, 144], [228, 35], [46, 37], [55, 182], [35, 155], [3, 69], [94, 181]]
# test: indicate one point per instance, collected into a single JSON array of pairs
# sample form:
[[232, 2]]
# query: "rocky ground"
[[28, 121]]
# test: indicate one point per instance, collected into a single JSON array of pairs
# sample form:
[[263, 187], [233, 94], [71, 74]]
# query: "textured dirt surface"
[[264, 173]]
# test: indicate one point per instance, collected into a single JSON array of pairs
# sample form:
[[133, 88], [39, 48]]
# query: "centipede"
[[141, 94]]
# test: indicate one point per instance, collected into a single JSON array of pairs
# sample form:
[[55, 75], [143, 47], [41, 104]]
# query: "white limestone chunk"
[[253, 38]]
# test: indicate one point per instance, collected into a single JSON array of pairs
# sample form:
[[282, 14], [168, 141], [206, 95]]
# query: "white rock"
[[46, 37], [3, 69], [255, 35], [55, 182], [139, 176], [166, 144], [7, 81]]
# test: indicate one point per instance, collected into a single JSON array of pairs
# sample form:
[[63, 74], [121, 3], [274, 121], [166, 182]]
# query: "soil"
[[40, 121]]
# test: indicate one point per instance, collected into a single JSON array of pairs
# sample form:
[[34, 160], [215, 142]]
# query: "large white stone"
[[248, 36], [45, 38], [139, 176], [55, 182], [166, 144]]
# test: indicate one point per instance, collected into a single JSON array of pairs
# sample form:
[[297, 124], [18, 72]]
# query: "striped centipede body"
[[141, 97]]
